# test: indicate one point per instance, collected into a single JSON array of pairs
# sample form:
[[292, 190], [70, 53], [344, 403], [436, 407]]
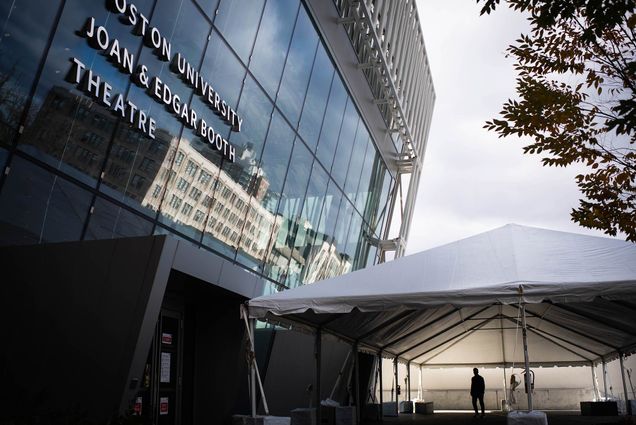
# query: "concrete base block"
[[338, 415], [372, 413], [519, 417], [406, 406], [599, 408], [424, 407], [303, 416], [260, 420], [389, 408]]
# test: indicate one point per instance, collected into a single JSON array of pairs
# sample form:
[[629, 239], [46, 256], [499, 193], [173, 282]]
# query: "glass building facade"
[[299, 200]]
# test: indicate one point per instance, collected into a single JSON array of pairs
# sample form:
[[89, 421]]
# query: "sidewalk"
[[499, 418]]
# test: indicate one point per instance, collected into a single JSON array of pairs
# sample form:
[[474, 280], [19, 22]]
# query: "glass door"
[[159, 398]]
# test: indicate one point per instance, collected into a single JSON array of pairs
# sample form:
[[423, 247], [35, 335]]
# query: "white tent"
[[457, 304]]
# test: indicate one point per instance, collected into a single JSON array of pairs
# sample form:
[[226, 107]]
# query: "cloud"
[[472, 181]]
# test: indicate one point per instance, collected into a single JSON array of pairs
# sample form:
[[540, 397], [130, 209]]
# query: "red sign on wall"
[[163, 405]]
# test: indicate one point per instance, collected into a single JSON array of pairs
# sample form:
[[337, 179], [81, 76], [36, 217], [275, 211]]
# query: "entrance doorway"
[[159, 399]]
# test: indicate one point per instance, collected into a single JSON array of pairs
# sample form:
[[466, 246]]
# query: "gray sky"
[[472, 181]]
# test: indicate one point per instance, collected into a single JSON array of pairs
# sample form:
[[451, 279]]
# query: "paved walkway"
[[499, 418]]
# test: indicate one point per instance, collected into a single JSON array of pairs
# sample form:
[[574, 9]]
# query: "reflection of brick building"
[[187, 186], [312, 255], [71, 127]]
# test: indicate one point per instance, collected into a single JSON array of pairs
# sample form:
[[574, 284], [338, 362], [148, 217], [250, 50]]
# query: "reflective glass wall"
[[93, 148]]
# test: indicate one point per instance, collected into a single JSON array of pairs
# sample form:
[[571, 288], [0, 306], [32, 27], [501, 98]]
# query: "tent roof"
[[433, 306]]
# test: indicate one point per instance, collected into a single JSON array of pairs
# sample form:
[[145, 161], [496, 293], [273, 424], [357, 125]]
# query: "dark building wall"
[[72, 314]]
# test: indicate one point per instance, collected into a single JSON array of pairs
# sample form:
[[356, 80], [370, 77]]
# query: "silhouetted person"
[[477, 389]]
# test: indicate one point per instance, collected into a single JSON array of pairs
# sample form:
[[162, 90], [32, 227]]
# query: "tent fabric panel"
[[485, 347], [550, 256], [454, 324], [578, 328]]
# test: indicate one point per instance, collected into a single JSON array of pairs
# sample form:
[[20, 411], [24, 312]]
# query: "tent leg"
[[627, 406], [397, 383], [381, 387], [594, 387], [525, 357], [505, 385], [420, 392], [605, 378], [253, 370], [408, 380], [318, 355], [357, 382]]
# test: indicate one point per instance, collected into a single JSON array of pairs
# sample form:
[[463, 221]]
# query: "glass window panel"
[[238, 22], [188, 193], [226, 215], [265, 191], [275, 160], [331, 123], [111, 221], [345, 144], [234, 209], [358, 158], [298, 68], [25, 30], [371, 256], [343, 223], [66, 128], [138, 165], [38, 206], [256, 111], [223, 70], [289, 209], [329, 214], [272, 43], [316, 99], [355, 242], [306, 233], [365, 185]]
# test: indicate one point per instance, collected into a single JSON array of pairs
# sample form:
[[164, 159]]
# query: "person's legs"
[[475, 405], [481, 403]]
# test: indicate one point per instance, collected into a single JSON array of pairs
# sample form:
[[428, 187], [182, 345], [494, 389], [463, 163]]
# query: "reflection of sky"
[[316, 99], [298, 68], [238, 21], [67, 44], [272, 43]]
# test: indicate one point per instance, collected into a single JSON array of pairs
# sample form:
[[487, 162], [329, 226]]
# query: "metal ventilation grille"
[[388, 42]]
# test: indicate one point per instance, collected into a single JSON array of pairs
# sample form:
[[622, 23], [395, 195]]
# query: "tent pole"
[[357, 382], [408, 379], [525, 357], [397, 384], [253, 369], [318, 355], [503, 356], [420, 392], [605, 378], [594, 388], [381, 388], [505, 385], [628, 411]]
